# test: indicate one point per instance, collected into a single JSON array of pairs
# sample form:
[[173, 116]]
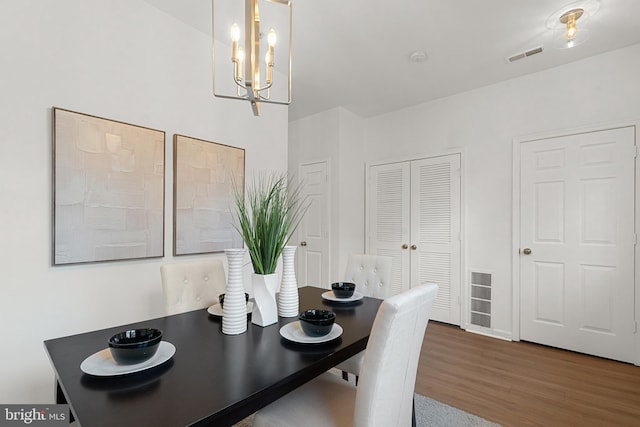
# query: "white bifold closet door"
[[413, 216]]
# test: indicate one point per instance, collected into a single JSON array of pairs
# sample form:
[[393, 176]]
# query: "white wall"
[[483, 122], [350, 191], [118, 59], [335, 135]]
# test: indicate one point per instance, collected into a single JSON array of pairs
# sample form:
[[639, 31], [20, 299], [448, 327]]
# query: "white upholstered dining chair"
[[384, 395], [192, 285], [370, 273], [372, 276]]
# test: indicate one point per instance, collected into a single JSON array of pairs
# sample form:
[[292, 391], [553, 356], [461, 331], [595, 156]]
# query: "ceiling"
[[355, 53]]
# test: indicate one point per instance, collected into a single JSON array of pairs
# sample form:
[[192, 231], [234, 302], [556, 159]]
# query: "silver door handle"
[[526, 251], [303, 243]]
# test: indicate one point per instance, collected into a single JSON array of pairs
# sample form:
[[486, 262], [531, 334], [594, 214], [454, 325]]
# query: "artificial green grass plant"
[[266, 217]]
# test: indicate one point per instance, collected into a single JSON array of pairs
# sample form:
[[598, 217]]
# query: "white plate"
[[330, 296], [293, 332], [216, 309], [102, 364]]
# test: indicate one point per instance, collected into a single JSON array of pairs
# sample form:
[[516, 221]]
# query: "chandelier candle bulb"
[[267, 60], [239, 60], [271, 40], [235, 37]]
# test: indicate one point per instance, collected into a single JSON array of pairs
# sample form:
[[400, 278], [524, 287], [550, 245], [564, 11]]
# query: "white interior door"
[[435, 231], [577, 240], [388, 219], [314, 262]]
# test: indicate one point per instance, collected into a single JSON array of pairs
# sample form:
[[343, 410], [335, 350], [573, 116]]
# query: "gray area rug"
[[429, 413]]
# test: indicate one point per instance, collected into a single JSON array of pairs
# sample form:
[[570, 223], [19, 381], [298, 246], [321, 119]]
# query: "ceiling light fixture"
[[570, 24], [569, 18], [238, 74]]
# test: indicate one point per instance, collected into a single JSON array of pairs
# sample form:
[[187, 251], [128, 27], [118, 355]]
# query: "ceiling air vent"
[[523, 55]]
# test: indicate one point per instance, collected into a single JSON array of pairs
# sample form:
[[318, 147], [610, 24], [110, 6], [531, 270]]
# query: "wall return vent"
[[480, 314]]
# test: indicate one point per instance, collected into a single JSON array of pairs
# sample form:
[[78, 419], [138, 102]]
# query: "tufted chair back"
[[192, 285], [371, 274]]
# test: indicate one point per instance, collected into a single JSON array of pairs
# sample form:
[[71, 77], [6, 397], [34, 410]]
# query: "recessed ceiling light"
[[418, 56]]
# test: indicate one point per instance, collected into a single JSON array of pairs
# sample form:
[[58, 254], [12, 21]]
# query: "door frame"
[[516, 226]]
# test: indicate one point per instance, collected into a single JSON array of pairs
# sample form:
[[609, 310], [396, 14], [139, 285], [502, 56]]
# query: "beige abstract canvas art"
[[108, 189], [204, 174]]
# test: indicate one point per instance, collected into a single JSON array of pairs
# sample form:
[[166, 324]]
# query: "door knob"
[[414, 247], [526, 251], [405, 246], [303, 243]]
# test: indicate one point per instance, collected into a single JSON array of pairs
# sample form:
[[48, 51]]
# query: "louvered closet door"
[[414, 217], [388, 208], [435, 231]]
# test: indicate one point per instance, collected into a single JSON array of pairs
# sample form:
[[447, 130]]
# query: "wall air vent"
[[480, 299], [526, 54]]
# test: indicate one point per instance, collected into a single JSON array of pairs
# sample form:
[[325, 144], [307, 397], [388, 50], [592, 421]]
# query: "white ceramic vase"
[[265, 309], [288, 305], [234, 312]]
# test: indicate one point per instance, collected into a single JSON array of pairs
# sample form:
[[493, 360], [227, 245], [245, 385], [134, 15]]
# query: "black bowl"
[[221, 298], [135, 345], [317, 323], [343, 289]]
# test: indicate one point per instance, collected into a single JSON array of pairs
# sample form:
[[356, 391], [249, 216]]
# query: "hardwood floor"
[[525, 384]]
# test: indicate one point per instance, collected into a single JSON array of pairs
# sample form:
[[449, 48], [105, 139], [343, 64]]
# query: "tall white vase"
[[288, 305], [234, 312], [265, 310]]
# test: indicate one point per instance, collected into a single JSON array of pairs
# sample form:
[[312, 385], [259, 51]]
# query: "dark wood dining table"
[[213, 379]]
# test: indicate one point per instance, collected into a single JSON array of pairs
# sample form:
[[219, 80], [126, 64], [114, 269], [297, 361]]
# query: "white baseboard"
[[501, 335]]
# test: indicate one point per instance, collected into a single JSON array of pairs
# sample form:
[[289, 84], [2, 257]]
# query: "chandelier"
[[240, 36]]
